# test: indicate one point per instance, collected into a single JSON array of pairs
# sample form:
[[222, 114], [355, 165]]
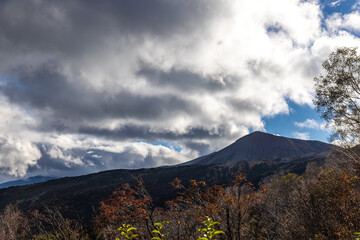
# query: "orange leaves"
[[176, 184], [240, 179], [125, 205]]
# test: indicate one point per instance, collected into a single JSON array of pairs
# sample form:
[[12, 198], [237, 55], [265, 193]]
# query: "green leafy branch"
[[126, 232], [158, 229], [209, 232]]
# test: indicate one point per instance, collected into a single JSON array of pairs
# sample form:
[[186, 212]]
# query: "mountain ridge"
[[260, 146]]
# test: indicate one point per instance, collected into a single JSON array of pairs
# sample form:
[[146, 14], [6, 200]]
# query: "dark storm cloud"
[[145, 132], [201, 148], [245, 105], [187, 81], [74, 26], [47, 88], [57, 31]]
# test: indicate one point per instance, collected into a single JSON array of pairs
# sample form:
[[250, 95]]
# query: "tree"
[[13, 223], [338, 93], [126, 205]]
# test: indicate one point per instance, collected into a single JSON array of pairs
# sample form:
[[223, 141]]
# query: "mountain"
[[27, 181], [260, 146], [259, 155]]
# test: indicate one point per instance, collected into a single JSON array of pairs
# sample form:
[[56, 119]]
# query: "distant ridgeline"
[[27, 181]]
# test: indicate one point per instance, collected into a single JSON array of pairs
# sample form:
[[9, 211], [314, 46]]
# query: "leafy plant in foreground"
[[158, 229], [126, 232], [209, 232]]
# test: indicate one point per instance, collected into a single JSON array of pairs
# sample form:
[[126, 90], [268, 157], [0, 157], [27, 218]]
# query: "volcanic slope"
[[260, 146]]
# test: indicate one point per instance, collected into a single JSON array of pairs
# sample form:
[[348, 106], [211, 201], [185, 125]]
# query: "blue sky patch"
[[284, 124]]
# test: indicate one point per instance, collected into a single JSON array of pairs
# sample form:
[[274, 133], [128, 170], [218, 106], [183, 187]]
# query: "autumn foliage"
[[126, 205], [323, 203]]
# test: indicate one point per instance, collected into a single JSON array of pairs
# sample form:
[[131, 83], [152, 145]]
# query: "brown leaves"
[[125, 205]]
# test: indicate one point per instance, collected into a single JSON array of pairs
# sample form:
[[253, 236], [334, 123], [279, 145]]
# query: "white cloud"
[[16, 156], [350, 22], [71, 148], [17, 149], [68, 159], [312, 124], [302, 135], [356, 6], [336, 3]]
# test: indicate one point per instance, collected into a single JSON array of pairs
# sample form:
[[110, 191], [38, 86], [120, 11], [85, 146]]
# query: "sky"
[[87, 86]]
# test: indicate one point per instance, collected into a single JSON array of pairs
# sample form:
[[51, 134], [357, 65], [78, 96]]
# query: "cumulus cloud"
[[18, 151], [17, 156], [92, 155], [356, 6], [69, 160], [116, 78], [302, 135], [350, 22], [312, 124]]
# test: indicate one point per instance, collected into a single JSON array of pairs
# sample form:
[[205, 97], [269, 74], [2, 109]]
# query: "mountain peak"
[[259, 134], [261, 146]]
